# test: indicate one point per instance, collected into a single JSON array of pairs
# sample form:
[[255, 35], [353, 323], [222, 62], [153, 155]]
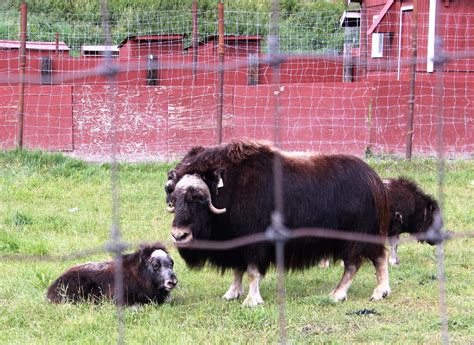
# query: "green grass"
[[54, 205]]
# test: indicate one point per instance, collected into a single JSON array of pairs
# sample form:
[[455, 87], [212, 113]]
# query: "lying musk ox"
[[148, 277], [226, 191], [412, 211]]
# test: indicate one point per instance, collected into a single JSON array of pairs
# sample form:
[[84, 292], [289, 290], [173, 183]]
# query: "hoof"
[[252, 301], [338, 297], [380, 294], [231, 295], [394, 262]]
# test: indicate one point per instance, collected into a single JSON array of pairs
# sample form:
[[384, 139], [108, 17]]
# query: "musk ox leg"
[[324, 263], [253, 298], [339, 293], [382, 289], [236, 289], [393, 241]]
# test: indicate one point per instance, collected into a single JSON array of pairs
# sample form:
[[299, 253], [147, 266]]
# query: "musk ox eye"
[[155, 265]]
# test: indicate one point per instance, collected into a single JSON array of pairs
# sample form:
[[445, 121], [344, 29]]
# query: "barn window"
[[377, 45]]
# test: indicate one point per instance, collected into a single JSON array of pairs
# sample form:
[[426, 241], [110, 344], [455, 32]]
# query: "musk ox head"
[[413, 211], [191, 203], [157, 266]]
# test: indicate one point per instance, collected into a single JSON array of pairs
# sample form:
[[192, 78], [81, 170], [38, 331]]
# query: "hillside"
[[304, 25]]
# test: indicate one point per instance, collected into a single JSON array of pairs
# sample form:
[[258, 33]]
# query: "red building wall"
[[317, 111], [48, 122], [454, 25], [163, 122]]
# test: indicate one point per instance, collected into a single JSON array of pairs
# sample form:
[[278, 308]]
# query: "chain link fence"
[[304, 83]]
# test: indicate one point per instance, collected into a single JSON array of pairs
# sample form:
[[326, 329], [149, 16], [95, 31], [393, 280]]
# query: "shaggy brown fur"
[[411, 211], [147, 277], [337, 192]]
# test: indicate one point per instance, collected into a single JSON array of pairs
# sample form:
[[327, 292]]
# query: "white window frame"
[[431, 37], [377, 44]]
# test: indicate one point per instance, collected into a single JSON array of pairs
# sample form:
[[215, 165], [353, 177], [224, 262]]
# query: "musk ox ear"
[[217, 177], [219, 173], [433, 206], [399, 217]]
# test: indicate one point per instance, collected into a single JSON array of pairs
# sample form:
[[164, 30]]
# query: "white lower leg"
[[236, 289], [393, 251], [339, 293], [253, 298], [382, 289]]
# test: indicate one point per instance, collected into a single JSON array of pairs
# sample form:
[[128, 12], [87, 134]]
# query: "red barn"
[[386, 34], [234, 45], [11, 49], [143, 46]]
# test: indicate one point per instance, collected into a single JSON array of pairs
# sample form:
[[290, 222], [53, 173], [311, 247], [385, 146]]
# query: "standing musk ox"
[[147, 273], [412, 211], [226, 191]]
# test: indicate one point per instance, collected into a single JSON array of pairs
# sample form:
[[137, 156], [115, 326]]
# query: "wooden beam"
[[382, 13]]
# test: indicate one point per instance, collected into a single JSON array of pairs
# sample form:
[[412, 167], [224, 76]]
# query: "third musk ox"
[[412, 211], [148, 276], [227, 191]]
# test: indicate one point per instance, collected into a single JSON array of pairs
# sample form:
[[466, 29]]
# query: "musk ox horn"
[[170, 208], [215, 209]]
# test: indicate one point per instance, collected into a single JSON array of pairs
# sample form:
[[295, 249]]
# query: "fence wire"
[[441, 155], [276, 233], [115, 245]]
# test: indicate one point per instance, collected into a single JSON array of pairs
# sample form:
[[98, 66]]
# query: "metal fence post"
[[411, 99], [22, 63], [221, 52]]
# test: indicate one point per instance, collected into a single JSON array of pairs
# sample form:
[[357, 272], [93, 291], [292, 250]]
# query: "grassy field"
[[53, 205]]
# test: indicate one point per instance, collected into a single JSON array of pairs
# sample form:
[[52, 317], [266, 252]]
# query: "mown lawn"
[[53, 205]]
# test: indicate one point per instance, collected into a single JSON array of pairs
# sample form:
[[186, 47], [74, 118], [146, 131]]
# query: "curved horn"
[[170, 208], [215, 209]]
